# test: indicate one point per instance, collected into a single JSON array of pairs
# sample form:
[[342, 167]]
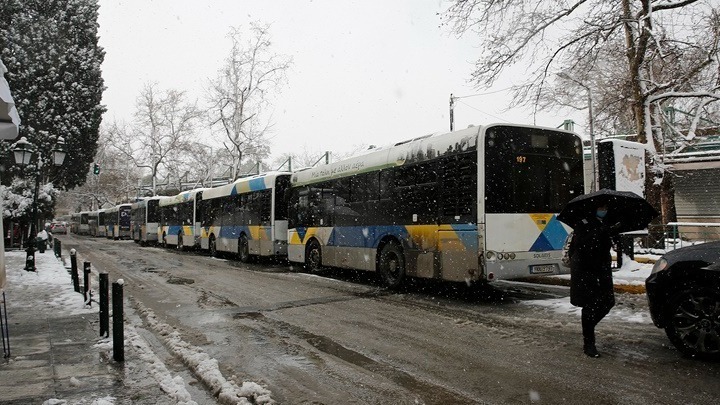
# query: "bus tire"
[[243, 249], [391, 265], [313, 256], [212, 246], [180, 242]]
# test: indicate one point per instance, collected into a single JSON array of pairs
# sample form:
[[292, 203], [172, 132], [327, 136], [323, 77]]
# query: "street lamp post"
[[593, 183], [23, 151]]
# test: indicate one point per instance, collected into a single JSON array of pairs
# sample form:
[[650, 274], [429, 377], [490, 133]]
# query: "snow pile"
[[99, 401], [205, 367], [631, 273], [104, 401], [174, 387]]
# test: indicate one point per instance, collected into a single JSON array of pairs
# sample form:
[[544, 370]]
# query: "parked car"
[[683, 292], [58, 228]]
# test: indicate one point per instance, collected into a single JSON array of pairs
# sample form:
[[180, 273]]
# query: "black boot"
[[589, 348]]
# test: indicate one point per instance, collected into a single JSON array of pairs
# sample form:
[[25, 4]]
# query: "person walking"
[[591, 283]]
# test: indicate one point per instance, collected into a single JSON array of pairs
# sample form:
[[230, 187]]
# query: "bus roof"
[[143, 201], [410, 151], [180, 198], [243, 185], [117, 207]]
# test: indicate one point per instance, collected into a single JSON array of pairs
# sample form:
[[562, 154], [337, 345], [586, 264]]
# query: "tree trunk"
[[656, 237]]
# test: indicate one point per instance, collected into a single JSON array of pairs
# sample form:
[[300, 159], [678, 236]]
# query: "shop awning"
[[9, 118]]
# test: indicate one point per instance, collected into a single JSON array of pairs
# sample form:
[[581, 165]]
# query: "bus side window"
[[359, 196], [342, 213], [327, 204], [385, 185], [265, 201], [303, 206], [457, 189], [252, 213], [372, 189], [425, 193]]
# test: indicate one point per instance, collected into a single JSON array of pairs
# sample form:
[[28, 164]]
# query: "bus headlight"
[[512, 256], [491, 256]]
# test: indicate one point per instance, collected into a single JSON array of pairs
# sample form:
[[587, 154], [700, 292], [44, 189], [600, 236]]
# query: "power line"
[[453, 99], [482, 94], [479, 110]]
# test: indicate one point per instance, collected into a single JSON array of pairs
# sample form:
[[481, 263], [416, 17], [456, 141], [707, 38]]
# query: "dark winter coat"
[[590, 264]]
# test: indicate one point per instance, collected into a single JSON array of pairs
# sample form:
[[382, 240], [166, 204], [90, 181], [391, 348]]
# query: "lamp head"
[[23, 151], [59, 152]]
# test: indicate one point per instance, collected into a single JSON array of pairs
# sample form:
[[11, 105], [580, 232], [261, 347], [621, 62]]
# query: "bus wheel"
[[313, 257], [164, 240], [243, 249], [180, 246], [391, 265], [213, 247]]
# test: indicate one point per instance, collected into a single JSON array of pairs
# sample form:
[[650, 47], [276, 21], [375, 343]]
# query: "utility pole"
[[563, 75], [452, 112]]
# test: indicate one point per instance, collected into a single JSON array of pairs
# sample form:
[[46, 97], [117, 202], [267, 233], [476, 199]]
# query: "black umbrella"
[[628, 209]]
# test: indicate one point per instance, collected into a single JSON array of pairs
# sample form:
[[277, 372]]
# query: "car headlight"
[[660, 265]]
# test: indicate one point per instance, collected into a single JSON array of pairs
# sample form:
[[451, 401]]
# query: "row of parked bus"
[[113, 222], [472, 205]]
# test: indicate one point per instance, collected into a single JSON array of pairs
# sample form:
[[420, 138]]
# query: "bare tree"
[[634, 55], [114, 184], [240, 95], [159, 137]]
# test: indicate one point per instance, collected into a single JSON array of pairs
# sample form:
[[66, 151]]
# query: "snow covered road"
[[341, 338]]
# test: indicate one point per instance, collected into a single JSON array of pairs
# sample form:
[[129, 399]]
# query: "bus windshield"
[[531, 170]]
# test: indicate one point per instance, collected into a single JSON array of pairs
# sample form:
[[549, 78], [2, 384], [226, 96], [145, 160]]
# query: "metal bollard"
[[86, 280], [74, 270], [57, 247], [104, 304], [118, 327]]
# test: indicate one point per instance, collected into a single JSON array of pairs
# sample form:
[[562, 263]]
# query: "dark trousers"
[[593, 312]]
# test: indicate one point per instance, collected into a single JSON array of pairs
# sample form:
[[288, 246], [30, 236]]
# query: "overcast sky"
[[364, 72]]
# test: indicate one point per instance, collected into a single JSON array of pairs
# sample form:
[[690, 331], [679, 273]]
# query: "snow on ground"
[[631, 273], [53, 277], [205, 367]]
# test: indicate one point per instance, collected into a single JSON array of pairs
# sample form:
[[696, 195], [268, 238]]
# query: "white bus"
[[117, 222], [477, 204], [83, 227], [96, 223], [247, 217], [179, 224], [144, 220]]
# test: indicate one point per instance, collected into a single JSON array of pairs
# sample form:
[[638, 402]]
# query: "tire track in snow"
[[203, 366]]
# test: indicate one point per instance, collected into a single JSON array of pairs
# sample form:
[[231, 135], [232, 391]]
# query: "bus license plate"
[[542, 269]]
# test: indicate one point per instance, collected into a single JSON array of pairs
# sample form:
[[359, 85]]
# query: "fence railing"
[[692, 232], [675, 235]]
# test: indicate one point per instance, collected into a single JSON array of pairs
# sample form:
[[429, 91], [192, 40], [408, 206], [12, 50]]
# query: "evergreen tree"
[[50, 48]]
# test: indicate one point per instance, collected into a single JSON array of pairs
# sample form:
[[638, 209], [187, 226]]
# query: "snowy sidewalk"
[[55, 355]]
